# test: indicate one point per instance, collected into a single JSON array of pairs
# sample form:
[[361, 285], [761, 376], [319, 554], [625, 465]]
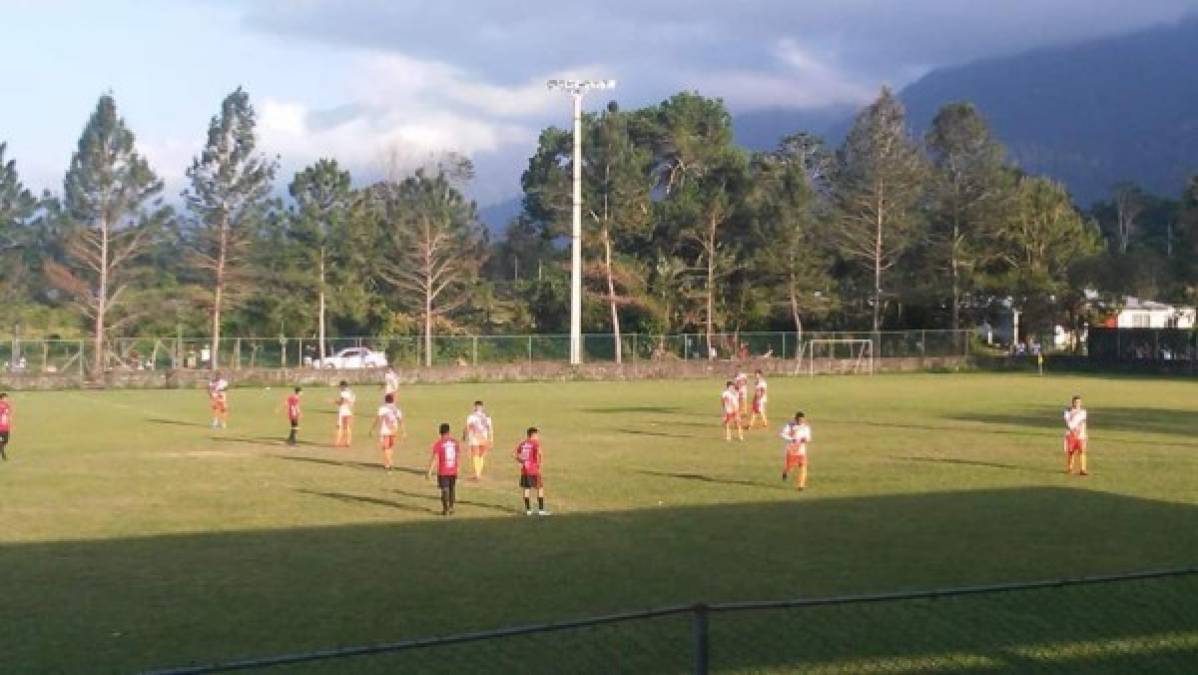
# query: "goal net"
[[836, 356]]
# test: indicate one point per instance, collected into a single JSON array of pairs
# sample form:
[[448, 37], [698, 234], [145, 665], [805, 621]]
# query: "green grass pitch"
[[133, 536]]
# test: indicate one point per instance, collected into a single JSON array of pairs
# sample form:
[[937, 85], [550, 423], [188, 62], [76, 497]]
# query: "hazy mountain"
[[1089, 114]]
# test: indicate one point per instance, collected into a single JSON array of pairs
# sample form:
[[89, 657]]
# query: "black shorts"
[[294, 424], [531, 482], [3, 438], [446, 482]]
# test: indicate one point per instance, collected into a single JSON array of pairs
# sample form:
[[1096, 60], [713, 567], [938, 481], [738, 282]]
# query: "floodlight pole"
[[576, 89]]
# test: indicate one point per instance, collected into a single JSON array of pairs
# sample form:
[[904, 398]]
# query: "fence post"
[[82, 373], [474, 350], [530, 355], [699, 625]]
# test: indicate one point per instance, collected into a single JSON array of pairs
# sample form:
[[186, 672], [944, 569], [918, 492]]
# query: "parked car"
[[352, 358]]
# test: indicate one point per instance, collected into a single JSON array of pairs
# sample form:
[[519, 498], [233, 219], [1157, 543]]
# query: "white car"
[[353, 358]]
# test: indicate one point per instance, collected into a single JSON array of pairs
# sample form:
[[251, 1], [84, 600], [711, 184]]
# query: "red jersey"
[[528, 454], [5, 416], [446, 450], [293, 406]]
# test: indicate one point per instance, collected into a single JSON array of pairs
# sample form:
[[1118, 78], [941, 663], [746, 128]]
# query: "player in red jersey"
[[389, 422], [444, 461], [730, 400], [293, 414], [5, 424], [530, 456], [1076, 436], [797, 434], [218, 397], [759, 401]]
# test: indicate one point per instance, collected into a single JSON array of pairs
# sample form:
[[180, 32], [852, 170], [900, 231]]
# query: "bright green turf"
[[133, 536]]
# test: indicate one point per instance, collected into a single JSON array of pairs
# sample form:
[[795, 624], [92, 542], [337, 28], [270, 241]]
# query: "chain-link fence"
[[1142, 622], [234, 353]]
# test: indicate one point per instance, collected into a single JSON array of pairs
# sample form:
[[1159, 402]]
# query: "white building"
[[1139, 313]]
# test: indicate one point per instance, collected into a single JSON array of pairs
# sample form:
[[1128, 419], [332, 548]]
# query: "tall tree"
[[17, 209], [323, 198], [786, 208], [969, 190], [111, 208], [1039, 246], [701, 174], [228, 196], [618, 190], [880, 177], [436, 240]]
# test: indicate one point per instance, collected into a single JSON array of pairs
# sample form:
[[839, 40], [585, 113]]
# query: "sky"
[[381, 83]]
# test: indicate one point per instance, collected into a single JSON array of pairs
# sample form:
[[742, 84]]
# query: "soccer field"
[[133, 536]]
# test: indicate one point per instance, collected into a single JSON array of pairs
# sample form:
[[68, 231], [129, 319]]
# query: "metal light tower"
[[576, 89]]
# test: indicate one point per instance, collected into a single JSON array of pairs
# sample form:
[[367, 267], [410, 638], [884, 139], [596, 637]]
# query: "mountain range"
[[1090, 114]]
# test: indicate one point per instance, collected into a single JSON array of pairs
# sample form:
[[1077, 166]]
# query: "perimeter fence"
[[1140, 622], [158, 353]]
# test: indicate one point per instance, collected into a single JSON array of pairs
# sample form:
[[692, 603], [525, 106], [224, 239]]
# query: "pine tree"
[[323, 199], [111, 210], [228, 198], [880, 176]]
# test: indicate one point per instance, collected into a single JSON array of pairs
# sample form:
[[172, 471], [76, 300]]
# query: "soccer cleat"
[[1083, 473], [783, 476], [543, 512], [528, 512]]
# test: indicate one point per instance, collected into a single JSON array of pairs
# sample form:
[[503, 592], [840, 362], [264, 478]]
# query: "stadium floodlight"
[[577, 89]]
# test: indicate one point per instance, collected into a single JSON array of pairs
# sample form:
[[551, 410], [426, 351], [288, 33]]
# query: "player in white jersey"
[[797, 434], [1076, 436], [479, 436], [391, 382], [730, 400], [345, 416], [742, 394], [759, 401], [390, 423], [218, 399]]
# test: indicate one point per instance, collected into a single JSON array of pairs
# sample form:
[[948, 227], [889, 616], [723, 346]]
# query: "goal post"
[[835, 356]]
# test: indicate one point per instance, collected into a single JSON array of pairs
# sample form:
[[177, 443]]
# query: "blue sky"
[[381, 85]]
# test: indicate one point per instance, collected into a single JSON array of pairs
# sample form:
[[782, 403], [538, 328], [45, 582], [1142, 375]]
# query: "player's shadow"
[[632, 409], [347, 464], [703, 478], [931, 427], [373, 501], [1166, 422], [647, 432], [461, 502], [256, 440], [177, 423], [970, 462]]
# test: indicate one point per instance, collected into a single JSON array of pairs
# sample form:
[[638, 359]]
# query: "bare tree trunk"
[[878, 272], [101, 303], [956, 272], [218, 293], [611, 296], [794, 309], [428, 323], [709, 244], [321, 308]]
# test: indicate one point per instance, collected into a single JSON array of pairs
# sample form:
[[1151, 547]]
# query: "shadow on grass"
[[434, 496], [373, 501], [650, 432], [128, 604], [646, 409], [178, 423], [702, 478], [970, 462], [346, 464], [1167, 422]]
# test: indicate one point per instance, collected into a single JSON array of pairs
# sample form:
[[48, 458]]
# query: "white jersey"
[[217, 388], [731, 401], [478, 428], [759, 391], [389, 419], [796, 434], [390, 383], [345, 403], [1075, 422]]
